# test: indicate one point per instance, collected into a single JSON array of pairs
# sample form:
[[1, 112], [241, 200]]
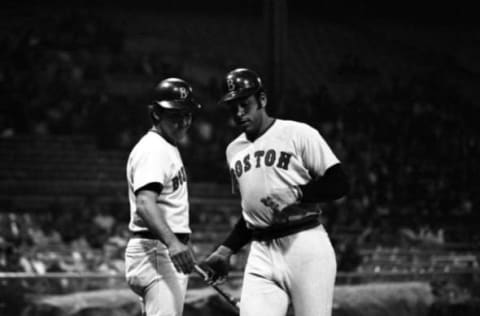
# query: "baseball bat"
[[230, 299]]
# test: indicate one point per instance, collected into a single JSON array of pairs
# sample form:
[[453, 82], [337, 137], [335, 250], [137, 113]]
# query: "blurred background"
[[392, 87]]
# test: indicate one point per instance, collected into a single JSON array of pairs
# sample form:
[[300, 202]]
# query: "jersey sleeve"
[[316, 154], [150, 167]]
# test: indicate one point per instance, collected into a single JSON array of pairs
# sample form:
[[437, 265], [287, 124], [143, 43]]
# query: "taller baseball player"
[[158, 257], [282, 170]]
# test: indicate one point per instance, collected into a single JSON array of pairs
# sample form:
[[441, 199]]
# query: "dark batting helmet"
[[241, 83], [174, 94]]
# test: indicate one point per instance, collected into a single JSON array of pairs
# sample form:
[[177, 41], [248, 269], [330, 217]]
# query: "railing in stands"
[[118, 279]]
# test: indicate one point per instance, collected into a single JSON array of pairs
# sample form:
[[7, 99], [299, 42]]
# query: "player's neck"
[[164, 135], [267, 122]]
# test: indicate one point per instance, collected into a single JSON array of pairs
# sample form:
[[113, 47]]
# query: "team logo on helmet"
[[183, 93], [230, 84]]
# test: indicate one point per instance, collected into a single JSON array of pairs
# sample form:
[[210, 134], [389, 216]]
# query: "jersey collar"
[[262, 133], [156, 131]]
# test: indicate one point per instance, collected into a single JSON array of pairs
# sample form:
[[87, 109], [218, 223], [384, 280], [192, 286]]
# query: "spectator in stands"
[[112, 258], [52, 81], [6, 128], [348, 256]]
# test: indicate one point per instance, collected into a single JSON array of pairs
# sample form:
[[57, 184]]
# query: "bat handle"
[[229, 298], [202, 272]]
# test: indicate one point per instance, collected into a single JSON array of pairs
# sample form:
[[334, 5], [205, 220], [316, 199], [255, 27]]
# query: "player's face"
[[175, 124], [247, 114]]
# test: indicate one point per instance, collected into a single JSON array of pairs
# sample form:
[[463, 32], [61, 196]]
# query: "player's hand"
[[182, 257], [217, 264]]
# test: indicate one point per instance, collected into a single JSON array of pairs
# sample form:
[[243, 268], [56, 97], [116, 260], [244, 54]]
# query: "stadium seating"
[[66, 133]]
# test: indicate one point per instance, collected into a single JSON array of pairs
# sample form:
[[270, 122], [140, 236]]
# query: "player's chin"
[[249, 129], [245, 126], [180, 134]]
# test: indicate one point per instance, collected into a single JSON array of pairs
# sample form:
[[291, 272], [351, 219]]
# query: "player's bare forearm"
[[180, 253], [154, 220]]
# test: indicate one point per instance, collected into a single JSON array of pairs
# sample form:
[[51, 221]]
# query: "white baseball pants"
[[298, 269], [151, 274]]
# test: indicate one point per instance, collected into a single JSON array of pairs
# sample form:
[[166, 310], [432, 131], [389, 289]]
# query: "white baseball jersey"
[[269, 170], [154, 160]]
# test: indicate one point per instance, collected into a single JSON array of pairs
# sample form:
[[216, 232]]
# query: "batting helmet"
[[174, 94], [241, 83]]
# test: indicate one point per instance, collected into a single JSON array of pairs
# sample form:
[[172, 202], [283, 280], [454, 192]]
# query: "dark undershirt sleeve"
[[331, 186], [156, 187], [239, 236]]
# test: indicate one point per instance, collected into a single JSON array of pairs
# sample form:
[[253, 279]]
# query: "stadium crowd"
[[410, 151]]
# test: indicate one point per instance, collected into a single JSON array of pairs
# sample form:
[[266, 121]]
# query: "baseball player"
[[282, 170], [158, 257]]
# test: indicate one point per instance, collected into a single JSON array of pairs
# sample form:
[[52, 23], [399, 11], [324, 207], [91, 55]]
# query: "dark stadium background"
[[393, 86]]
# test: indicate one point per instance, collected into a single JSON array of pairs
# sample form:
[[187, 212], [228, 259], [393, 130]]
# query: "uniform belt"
[[184, 238], [278, 231]]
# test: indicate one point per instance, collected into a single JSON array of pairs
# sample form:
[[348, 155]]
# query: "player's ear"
[[262, 98], [154, 114]]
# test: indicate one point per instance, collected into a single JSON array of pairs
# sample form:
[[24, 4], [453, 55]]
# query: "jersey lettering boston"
[[261, 158], [179, 179]]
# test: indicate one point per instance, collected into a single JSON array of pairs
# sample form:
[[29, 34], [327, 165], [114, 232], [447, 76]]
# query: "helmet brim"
[[184, 105], [239, 94]]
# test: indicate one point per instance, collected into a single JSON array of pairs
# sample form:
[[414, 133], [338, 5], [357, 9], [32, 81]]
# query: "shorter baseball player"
[[282, 169], [158, 257]]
